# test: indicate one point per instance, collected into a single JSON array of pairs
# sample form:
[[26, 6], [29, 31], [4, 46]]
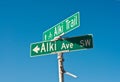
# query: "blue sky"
[[23, 21]]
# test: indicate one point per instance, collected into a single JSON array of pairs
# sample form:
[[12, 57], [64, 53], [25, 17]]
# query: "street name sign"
[[63, 27], [61, 45]]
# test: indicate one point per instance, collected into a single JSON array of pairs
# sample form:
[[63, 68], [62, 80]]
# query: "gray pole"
[[60, 67]]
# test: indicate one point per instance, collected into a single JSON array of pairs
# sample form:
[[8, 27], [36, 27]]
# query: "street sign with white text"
[[63, 27], [61, 45]]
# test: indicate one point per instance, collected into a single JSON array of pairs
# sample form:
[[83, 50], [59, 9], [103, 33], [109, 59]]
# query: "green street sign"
[[61, 45], [63, 27]]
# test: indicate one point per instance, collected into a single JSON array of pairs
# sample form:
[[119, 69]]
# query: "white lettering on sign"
[[71, 45], [58, 29], [67, 46], [85, 43], [51, 47], [71, 23], [50, 35], [43, 47], [47, 45], [45, 37], [63, 46]]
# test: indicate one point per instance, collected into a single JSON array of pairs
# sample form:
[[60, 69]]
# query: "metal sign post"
[[61, 70], [60, 67]]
